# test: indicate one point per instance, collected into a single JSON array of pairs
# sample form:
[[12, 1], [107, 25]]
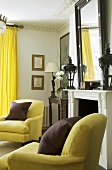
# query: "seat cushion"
[[18, 111], [13, 126], [53, 139]]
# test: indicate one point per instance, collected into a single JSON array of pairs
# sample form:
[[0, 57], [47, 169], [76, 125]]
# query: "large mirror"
[[89, 37]]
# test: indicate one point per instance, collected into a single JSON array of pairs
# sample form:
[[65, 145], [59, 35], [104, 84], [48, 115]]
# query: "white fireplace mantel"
[[104, 99]]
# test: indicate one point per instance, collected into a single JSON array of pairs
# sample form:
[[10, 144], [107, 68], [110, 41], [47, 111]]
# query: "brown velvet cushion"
[[18, 111], [73, 120], [54, 138]]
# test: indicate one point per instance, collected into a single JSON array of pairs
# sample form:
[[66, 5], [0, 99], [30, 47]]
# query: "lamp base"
[[53, 94]]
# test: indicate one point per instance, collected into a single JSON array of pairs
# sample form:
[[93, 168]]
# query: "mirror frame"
[[101, 21]]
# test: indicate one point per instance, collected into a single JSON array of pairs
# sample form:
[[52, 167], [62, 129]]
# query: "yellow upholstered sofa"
[[23, 131], [81, 149]]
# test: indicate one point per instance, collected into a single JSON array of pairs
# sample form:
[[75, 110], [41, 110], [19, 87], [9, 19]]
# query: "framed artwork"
[[38, 62], [64, 60], [64, 50], [37, 82]]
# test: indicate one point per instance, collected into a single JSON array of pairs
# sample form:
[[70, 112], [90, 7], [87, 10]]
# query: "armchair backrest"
[[36, 108], [85, 139]]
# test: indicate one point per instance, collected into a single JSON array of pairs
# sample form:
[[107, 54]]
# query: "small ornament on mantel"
[[70, 70], [105, 62]]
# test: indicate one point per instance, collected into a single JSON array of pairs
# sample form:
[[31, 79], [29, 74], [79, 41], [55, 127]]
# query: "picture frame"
[[37, 62], [64, 50], [37, 82]]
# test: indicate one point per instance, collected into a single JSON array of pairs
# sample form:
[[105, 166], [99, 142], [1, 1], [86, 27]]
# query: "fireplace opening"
[[87, 107]]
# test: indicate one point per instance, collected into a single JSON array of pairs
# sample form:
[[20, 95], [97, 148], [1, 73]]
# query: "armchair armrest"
[[35, 126], [44, 162], [29, 121], [2, 118]]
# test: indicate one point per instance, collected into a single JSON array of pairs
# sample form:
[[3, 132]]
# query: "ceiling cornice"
[[29, 27], [62, 13], [65, 8]]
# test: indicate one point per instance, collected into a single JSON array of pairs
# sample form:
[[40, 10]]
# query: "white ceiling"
[[51, 14]]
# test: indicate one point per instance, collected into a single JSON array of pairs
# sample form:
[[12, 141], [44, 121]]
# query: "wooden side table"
[[62, 104]]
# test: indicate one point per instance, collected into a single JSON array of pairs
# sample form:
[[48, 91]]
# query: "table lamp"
[[52, 67]]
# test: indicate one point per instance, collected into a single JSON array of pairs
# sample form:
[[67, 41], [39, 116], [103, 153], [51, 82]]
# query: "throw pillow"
[[54, 138], [18, 111], [73, 120]]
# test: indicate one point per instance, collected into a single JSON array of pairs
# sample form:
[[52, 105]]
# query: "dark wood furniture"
[[62, 108]]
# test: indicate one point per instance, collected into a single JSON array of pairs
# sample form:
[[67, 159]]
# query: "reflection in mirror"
[[90, 20], [90, 41], [90, 54]]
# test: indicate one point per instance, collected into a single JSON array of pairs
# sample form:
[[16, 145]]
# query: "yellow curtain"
[[87, 55], [8, 69]]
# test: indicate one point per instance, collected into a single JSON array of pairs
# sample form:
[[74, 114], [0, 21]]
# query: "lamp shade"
[[52, 67]]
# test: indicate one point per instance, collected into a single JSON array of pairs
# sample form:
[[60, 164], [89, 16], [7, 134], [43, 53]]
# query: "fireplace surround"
[[102, 100]]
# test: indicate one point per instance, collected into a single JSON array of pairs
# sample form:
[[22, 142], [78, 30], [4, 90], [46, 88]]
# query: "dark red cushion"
[[54, 138], [18, 111]]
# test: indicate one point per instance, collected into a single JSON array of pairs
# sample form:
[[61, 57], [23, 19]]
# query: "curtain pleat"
[[87, 55], [8, 69]]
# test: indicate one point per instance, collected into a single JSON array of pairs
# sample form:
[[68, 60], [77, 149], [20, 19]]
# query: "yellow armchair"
[[24, 131], [81, 150]]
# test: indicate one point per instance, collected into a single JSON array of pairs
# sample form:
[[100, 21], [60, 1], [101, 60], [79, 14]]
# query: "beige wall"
[[35, 42]]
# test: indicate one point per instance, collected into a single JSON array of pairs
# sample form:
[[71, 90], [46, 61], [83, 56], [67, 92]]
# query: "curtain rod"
[[89, 27], [18, 26]]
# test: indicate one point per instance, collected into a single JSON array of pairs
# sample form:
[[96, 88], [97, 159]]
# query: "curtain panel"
[[87, 55], [8, 69]]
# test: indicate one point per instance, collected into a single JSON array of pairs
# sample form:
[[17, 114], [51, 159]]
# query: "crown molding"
[[63, 26], [37, 28], [65, 8], [62, 13]]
